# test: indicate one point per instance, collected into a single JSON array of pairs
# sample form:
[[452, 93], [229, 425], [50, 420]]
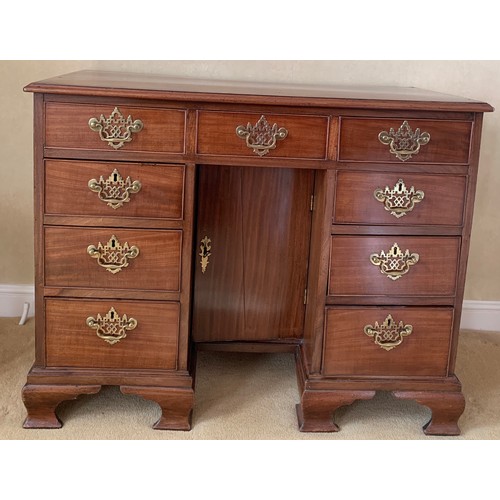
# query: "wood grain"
[[67, 192], [157, 267], [67, 126], [151, 345], [349, 351], [449, 143], [307, 135], [442, 205], [352, 273]]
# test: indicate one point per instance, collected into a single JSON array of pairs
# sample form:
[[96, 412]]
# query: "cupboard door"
[[258, 222]]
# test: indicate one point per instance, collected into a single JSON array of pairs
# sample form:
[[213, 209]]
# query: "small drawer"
[[435, 141], [409, 199], [265, 136], [387, 341], [111, 334], [111, 189], [115, 128], [393, 265], [113, 258]]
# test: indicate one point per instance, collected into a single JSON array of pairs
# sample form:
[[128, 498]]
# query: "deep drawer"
[[387, 341], [159, 131], [409, 199], [449, 141], [111, 334], [133, 259], [306, 136], [110, 189], [373, 265]]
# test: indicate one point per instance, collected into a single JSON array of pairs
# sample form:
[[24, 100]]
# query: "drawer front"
[[448, 142], [366, 265], [387, 198], [118, 258], [125, 189], [67, 126], [150, 329], [306, 136], [387, 341]]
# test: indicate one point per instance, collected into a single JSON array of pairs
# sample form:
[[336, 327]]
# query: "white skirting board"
[[476, 314], [12, 299]]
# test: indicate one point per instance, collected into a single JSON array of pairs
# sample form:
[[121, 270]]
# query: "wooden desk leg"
[[315, 412], [41, 402], [446, 407], [176, 405]]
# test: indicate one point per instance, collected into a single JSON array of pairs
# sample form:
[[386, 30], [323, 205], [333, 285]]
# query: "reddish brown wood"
[[442, 205], [446, 407], [352, 273], [449, 143], [108, 83], [253, 287], [349, 351], [176, 405], [307, 135], [67, 191], [41, 402], [316, 408], [67, 126], [157, 267], [151, 345]]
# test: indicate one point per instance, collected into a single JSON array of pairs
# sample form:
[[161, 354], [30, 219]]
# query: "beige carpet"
[[248, 396]]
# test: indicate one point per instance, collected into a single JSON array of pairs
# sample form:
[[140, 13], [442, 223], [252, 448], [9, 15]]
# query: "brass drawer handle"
[[113, 256], [394, 263], [205, 248], [398, 201], [404, 143], [112, 328], [116, 130], [261, 137], [114, 191], [389, 334]]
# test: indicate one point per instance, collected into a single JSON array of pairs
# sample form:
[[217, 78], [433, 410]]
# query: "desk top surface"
[[149, 86]]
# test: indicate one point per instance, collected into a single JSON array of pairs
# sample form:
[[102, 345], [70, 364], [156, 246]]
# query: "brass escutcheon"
[[205, 248], [389, 334], [111, 327], [114, 191], [116, 130], [398, 200], [394, 263], [404, 143], [113, 256], [261, 137]]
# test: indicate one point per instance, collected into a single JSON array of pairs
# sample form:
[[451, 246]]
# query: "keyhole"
[[400, 187], [115, 177], [113, 243], [112, 315]]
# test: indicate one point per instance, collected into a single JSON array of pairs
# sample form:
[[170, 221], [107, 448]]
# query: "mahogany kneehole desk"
[[174, 215]]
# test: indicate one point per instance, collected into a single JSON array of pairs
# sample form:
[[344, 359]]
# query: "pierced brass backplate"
[[205, 248], [114, 191], [404, 143], [398, 200], [111, 327], [116, 130], [261, 137], [389, 334], [394, 263], [113, 256]]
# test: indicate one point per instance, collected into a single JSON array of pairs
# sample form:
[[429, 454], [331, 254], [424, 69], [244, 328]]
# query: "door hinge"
[[311, 207], [305, 296]]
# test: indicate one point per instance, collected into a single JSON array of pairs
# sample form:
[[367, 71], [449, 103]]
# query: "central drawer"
[[393, 265], [122, 334], [306, 136], [117, 259]]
